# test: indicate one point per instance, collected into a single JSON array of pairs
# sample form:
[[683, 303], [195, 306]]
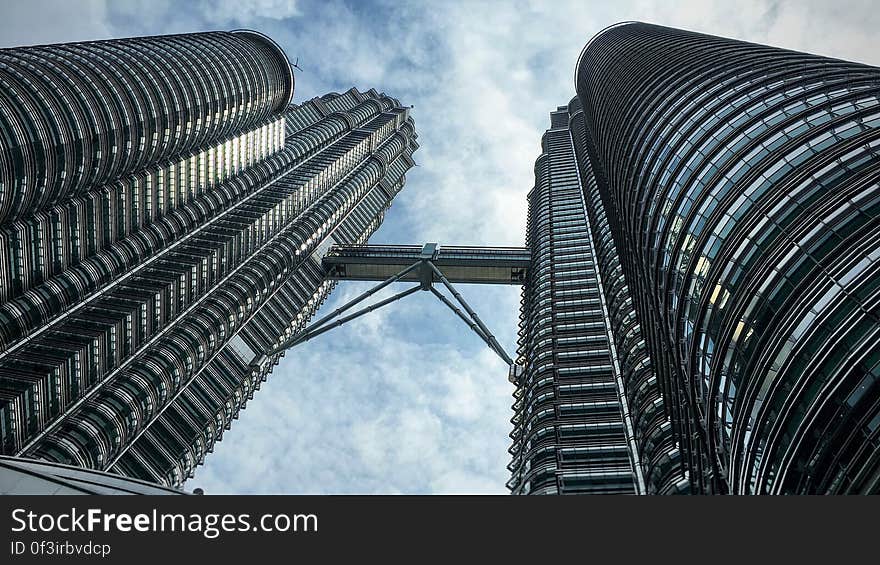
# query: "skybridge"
[[479, 265]]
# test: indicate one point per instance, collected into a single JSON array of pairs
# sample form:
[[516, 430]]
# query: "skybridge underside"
[[424, 265], [479, 265]]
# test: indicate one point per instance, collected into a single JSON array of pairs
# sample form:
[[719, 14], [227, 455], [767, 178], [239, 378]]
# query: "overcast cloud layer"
[[407, 400]]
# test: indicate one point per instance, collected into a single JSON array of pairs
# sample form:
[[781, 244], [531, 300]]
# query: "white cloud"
[[38, 22], [244, 12]]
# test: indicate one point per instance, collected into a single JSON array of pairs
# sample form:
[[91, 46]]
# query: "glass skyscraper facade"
[[164, 211], [733, 208]]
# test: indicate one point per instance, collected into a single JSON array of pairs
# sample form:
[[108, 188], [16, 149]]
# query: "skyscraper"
[[732, 212], [164, 212]]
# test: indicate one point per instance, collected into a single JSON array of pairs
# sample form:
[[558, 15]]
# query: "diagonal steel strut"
[[323, 324], [295, 339], [363, 296], [471, 323], [493, 343], [311, 331]]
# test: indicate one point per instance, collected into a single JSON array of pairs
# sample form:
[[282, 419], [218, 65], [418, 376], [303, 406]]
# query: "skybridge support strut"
[[311, 331], [426, 271], [486, 334], [314, 328]]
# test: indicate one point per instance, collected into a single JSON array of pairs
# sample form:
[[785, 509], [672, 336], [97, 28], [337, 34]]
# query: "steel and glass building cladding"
[[572, 430], [655, 452], [741, 188], [164, 210]]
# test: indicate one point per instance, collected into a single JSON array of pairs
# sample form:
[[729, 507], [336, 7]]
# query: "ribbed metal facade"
[[137, 297], [653, 444], [739, 185], [75, 116], [572, 432]]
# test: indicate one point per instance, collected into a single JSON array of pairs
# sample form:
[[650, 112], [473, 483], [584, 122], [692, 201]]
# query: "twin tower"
[[701, 282]]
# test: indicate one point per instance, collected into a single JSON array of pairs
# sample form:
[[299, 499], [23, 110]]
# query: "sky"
[[406, 399]]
